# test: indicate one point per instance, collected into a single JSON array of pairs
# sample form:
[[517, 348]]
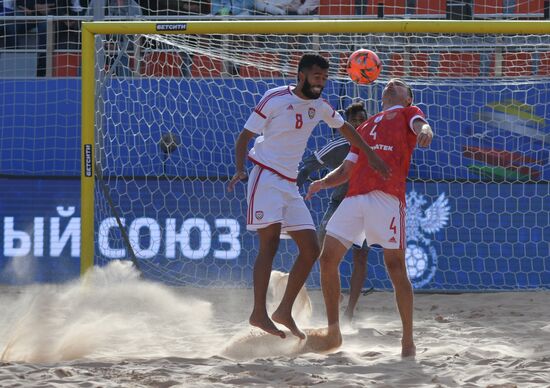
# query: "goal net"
[[163, 104]]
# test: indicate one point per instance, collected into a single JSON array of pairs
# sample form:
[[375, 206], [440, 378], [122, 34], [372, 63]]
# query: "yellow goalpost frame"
[[319, 26]]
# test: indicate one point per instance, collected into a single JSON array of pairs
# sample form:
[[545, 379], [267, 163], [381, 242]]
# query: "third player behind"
[[331, 156]]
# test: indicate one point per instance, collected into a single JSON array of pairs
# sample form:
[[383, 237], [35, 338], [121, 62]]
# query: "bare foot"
[[408, 350], [287, 320], [263, 322], [348, 317], [323, 340]]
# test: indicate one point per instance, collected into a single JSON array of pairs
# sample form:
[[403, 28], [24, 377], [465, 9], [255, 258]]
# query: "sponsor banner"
[[162, 27], [88, 160], [460, 236]]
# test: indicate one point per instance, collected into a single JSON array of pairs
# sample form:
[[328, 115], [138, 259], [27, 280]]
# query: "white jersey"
[[284, 122]]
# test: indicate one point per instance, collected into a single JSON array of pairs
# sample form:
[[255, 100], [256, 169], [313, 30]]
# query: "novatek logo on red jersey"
[[382, 147]]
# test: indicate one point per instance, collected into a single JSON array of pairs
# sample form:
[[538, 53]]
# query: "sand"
[[116, 330]]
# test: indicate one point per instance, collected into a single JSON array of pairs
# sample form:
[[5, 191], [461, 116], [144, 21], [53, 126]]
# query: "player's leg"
[[343, 229], [397, 270], [297, 222], [386, 227], [331, 255], [325, 340], [332, 206], [358, 275], [308, 247], [264, 215], [269, 243]]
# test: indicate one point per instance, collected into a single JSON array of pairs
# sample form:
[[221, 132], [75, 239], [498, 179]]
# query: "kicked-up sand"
[[116, 330]]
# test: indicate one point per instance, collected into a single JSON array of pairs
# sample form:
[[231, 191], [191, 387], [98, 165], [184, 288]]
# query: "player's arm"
[[424, 132], [332, 154], [336, 177], [356, 140], [311, 164], [241, 148]]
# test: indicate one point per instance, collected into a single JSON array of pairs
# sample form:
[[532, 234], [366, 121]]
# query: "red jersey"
[[391, 135]]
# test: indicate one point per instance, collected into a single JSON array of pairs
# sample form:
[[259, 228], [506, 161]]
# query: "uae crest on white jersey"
[[420, 255]]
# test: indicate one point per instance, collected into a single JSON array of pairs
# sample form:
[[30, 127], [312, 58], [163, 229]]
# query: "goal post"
[[489, 116]]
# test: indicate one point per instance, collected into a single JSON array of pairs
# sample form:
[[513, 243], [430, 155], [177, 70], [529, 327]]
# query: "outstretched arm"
[[330, 156], [311, 164], [334, 178], [355, 139], [241, 147]]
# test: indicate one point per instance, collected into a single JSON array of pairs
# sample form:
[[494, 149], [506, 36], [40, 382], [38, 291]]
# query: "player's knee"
[[395, 260], [328, 260], [325, 263], [269, 247], [312, 250], [270, 238], [396, 268], [308, 246]]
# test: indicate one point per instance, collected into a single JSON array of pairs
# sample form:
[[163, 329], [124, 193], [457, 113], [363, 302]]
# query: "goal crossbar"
[[322, 26], [329, 26]]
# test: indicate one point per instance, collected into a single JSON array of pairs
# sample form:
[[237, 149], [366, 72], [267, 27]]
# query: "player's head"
[[312, 75], [397, 92], [356, 114]]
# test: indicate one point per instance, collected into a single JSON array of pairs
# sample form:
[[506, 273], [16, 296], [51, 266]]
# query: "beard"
[[306, 89]]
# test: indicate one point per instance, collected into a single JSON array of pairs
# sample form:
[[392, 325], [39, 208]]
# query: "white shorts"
[[273, 199], [376, 216]]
